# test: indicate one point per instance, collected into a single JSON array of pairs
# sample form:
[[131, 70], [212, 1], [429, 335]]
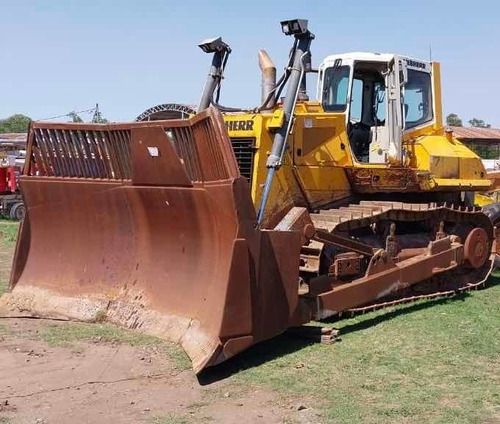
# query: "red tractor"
[[11, 203]]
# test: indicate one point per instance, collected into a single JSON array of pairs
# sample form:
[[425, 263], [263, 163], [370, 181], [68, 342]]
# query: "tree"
[[479, 123], [17, 123], [453, 120], [75, 118]]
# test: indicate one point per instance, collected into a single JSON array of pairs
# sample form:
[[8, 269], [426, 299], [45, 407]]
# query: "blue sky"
[[64, 55]]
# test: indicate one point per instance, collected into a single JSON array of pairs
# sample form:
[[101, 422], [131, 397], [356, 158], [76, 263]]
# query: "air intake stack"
[[268, 79]]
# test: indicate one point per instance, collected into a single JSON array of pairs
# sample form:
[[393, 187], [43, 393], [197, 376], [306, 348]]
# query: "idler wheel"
[[476, 248]]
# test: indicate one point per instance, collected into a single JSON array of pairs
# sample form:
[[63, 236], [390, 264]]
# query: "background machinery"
[[224, 230], [11, 204], [12, 152]]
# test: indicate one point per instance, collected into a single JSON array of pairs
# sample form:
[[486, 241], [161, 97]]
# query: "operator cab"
[[356, 84]]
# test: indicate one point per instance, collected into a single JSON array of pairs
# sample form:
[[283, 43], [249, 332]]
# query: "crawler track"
[[417, 224], [411, 299]]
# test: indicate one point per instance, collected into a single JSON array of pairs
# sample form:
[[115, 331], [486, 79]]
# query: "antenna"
[[96, 118], [430, 52]]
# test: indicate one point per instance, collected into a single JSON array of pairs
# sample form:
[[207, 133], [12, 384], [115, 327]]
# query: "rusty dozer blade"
[[151, 226]]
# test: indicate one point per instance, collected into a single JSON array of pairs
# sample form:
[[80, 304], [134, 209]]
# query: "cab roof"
[[365, 56], [368, 57]]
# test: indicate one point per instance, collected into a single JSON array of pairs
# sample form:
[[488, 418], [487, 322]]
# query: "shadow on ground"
[[257, 355], [286, 344]]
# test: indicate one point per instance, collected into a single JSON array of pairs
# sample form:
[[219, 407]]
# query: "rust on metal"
[[394, 179], [440, 233], [338, 240], [152, 225], [476, 248], [416, 259], [391, 242], [346, 264]]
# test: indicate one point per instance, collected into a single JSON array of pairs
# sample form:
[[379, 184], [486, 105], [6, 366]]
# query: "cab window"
[[336, 88], [357, 100], [379, 102], [417, 99]]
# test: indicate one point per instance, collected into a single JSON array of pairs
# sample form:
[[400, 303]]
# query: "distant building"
[[12, 149], [484, 141], [14, 140]]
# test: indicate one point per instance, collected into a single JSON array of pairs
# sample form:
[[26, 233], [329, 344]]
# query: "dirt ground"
[[99, 382]]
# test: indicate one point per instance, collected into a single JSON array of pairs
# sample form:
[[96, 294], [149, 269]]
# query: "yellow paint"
[[319, 161], [277, 120], [481, 199]]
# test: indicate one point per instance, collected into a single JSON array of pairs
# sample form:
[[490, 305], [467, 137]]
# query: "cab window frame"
[[428, 97]]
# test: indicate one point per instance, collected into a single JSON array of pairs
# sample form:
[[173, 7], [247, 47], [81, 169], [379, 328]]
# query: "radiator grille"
[[244, 150]]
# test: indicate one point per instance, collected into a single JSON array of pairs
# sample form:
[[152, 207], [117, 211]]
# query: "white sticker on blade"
[[153, 151]]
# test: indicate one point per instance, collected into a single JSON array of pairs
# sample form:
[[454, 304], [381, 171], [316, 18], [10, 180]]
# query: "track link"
[[438, 295]]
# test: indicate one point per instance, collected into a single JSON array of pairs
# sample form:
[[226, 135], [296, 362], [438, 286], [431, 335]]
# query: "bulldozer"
[[228, 228]]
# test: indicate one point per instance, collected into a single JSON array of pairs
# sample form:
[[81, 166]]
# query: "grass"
[[434, 361], [195, 406], [67, 334], [8, 231], [5, 420], [170, 419], [179, 419], [8, 236]]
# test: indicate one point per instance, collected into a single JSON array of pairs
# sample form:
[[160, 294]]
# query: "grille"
[[94, 151], [62, 151], [244, 150]]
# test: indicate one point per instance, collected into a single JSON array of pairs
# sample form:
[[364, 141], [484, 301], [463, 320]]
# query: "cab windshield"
[[336, 88]]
